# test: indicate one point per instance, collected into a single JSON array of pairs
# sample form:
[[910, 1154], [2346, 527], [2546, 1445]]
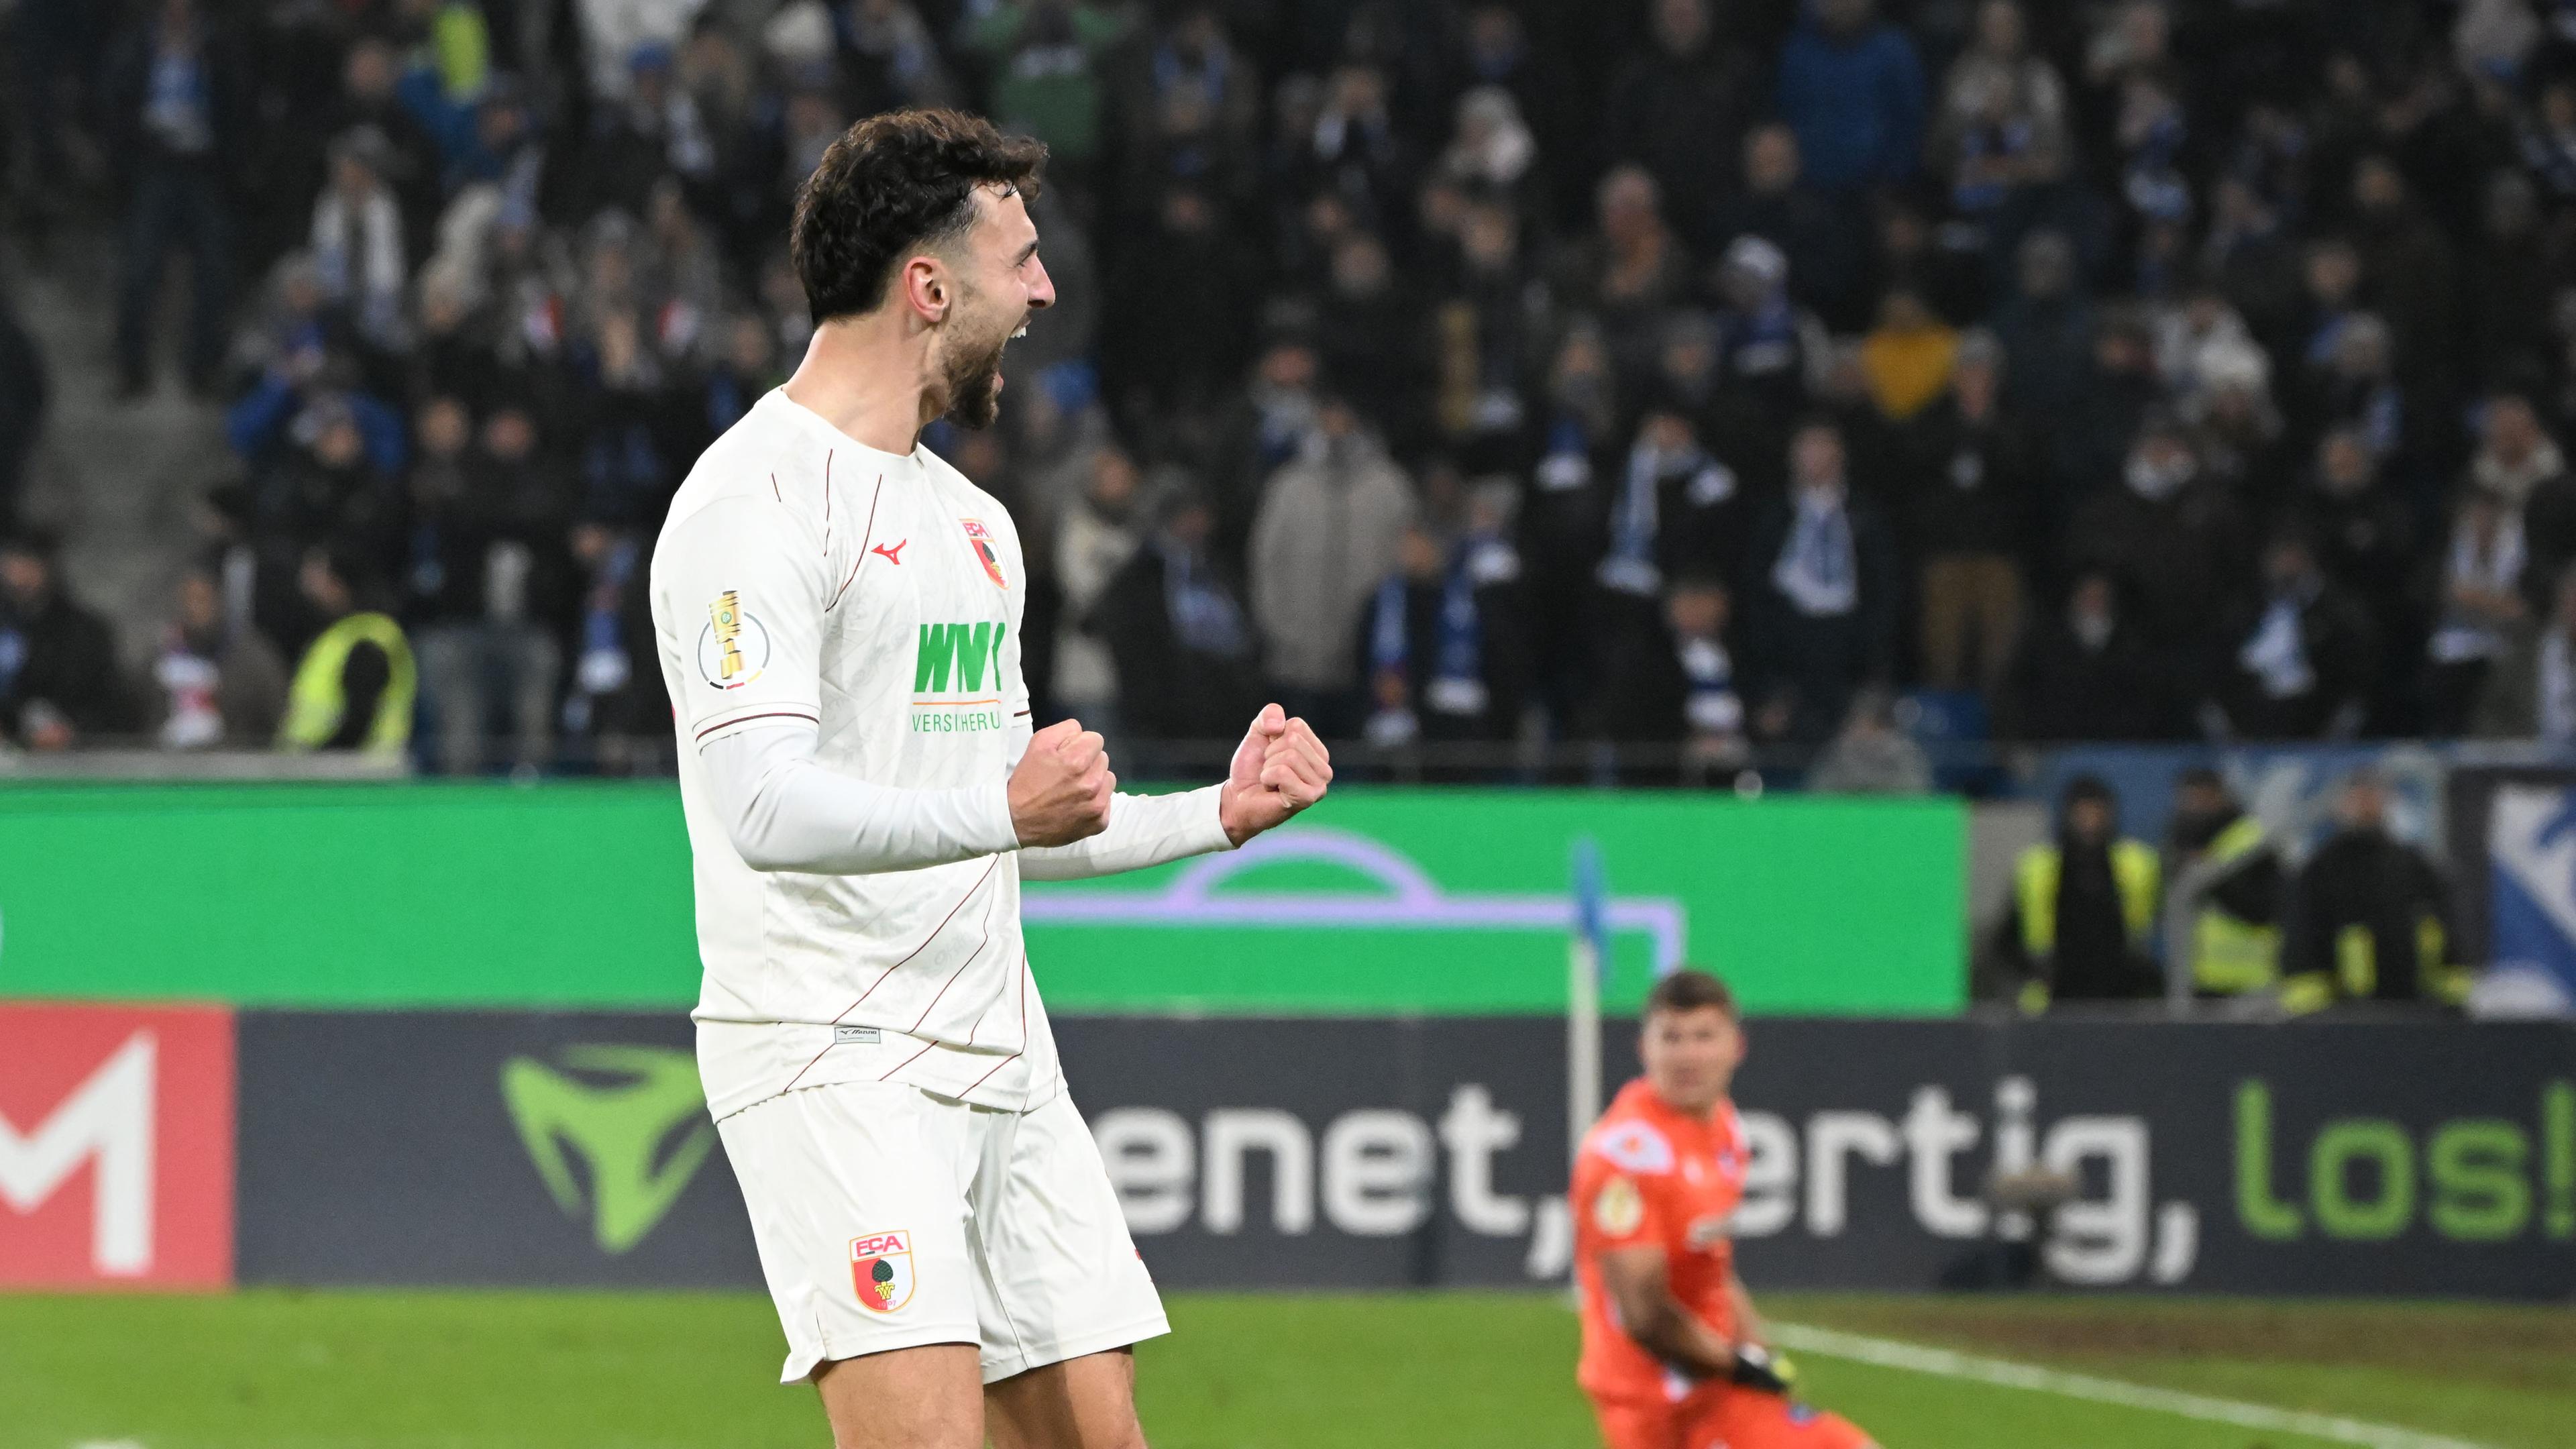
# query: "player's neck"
[[1699, 1113], [867, 376]]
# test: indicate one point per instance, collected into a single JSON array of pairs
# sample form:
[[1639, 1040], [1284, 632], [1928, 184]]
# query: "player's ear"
[[926, 287]]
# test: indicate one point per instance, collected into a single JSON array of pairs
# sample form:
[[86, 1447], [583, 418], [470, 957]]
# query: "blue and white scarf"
[[1629, 567], [1817, 570], [2277, 653], [1457, 684]]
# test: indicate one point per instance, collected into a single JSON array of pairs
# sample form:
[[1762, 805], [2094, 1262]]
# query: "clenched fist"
[[1060, 791], [1279, 769]]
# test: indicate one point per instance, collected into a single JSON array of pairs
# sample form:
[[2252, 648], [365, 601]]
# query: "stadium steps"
[[120, 481]]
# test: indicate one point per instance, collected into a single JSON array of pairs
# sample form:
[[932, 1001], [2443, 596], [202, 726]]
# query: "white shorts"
[[890, 1218]]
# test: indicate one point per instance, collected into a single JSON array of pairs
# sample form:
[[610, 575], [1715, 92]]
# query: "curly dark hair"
[[891, 184]]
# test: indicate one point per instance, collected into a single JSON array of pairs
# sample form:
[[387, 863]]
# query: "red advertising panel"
[[116, 1147]]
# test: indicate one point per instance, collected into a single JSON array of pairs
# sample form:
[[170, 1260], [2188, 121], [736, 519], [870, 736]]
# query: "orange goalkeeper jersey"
[[1649, 1175]]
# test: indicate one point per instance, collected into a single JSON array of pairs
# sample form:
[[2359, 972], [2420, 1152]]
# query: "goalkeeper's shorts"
[[890, 1218], [1722, 1416]]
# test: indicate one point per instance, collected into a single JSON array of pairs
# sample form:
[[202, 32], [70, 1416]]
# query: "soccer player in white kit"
[[839, 619]]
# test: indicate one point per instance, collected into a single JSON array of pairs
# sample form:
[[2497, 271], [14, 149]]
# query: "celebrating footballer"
[[839, 614]]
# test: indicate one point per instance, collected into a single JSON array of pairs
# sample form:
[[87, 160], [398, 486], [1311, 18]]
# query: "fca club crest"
[[981, 538], [881, 1270]]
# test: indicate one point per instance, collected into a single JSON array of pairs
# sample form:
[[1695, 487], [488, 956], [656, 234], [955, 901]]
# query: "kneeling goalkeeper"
[[1672, 1351]]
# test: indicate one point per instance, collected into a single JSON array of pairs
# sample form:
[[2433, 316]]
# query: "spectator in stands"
[[1872, 754], [1967, 485], [1186, 335], [1851, 86], [335, 483], [407, 160], [1177, 630], [1677, 510], [1190, 113], [1826, 260], [60, 682], [2046, 326], [1096, 535], [1442, 639], [1678, 106], [651, 134], [1633, 269], [2365, 540], [2371, 918], [2302, 657], [614, 712], [220, 682], [1827, 612], [2236, 930], [1325, 538], [488, 587], [2083, 907], [2236, 430], [2406, 262], [1907, 357], [1767, 350], [1367, 331], [354, 687], [358, 247], [2112, 396], [174, 91], [2517, 276], [1679, 687], [2087, 673], [2002, 127], [2517, 461], [2171, 539], [1047, 59], [2480, 610], [1258, 433], [2529, 692]]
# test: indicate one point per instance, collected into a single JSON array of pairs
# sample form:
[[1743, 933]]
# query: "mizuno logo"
[[891, 552], [637, 1118]]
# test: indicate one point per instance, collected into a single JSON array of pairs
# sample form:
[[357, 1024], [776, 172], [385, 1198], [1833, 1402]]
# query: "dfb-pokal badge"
[[733, 648]]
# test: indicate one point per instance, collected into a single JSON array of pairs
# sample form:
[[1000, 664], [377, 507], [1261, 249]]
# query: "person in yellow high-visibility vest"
[[354, 688], [2371, 916], [2084, 907], [2236, 932]]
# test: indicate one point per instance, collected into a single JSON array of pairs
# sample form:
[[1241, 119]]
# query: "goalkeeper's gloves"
[[1760, 1369]]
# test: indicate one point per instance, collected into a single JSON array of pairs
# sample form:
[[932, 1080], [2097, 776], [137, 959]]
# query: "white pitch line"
[[1942, 1363]]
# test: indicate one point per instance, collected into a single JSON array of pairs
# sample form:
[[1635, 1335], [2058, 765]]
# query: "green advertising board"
[[578, 895]]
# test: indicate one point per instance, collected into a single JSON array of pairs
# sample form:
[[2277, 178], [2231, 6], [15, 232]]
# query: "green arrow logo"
[[619, 1129]]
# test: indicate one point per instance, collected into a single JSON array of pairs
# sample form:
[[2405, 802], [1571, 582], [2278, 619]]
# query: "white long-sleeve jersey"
[[839, 629]]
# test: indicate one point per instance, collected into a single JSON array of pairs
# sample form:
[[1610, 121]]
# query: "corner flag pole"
[[1587, 960]]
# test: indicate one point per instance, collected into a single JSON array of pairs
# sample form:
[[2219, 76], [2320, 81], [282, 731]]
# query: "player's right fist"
[[1060, 792]]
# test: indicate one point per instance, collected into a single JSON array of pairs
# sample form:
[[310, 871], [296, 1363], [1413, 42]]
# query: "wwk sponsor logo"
[[957, 678]]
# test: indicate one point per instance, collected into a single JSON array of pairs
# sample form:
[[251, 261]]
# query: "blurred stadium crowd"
[[1733, 379]]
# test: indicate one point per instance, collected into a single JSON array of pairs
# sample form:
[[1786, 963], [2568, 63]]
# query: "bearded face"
[[972, 372]]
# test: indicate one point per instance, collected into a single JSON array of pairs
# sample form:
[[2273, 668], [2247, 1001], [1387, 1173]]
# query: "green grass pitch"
[[376, 1370]]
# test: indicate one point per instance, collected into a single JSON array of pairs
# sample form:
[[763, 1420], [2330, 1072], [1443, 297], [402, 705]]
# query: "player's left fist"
[[1280, 768]]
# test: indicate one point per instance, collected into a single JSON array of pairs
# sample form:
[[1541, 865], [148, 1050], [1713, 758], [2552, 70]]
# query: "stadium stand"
[[1649, 390]]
